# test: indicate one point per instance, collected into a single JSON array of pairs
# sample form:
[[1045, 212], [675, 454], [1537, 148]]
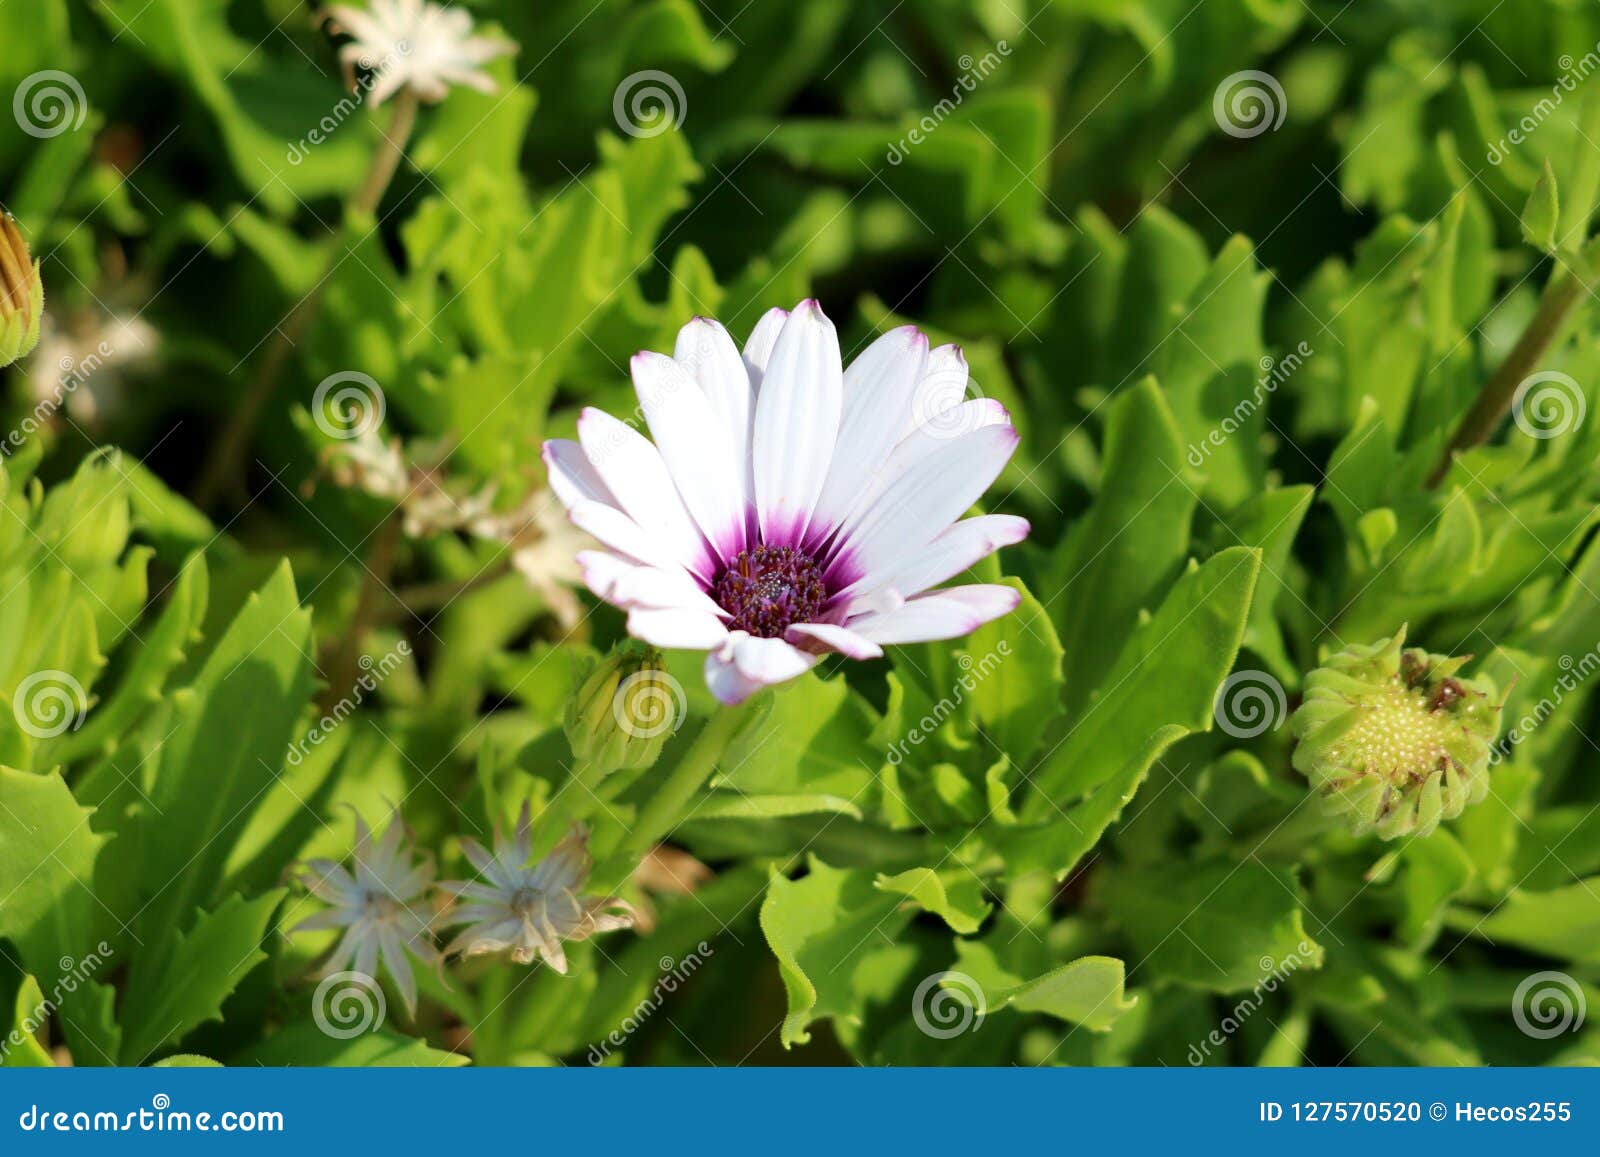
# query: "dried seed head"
[[1395, 739]]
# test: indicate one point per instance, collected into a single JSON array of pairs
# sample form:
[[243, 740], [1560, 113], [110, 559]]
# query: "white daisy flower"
[[789, 508], [417, 44], [529, 911], [382, 906]]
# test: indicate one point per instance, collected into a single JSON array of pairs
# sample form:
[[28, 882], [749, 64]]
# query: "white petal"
[[626, 584], [758, 350], [797, 423], [926, 439], [707, 353], [635, 472], [922, 502], [945, 614], [686, 630], [615, 529], [943, 385], [878, 389], [770, 660], [691, 438], [744, 664], [950, 554], [571, 476], [832, 638], [725, 681]]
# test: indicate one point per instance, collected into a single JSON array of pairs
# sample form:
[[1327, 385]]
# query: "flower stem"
[[424, 597], [664, 811], [583, 790], [374, 582], [402, 120], [1494, 401], [224, 466]]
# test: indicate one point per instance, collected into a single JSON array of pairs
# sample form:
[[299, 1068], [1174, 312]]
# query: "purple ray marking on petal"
[[842, 571]]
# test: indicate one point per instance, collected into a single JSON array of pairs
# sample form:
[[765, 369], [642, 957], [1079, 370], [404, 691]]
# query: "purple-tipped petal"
[[938, 615], [828, 637], [693, 443], [797, 423]]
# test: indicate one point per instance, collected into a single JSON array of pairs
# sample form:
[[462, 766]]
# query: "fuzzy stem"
[[224, 466], [1494, 401], [583, 792]]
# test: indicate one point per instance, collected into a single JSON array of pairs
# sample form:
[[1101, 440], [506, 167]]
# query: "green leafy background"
[[1069, 839]]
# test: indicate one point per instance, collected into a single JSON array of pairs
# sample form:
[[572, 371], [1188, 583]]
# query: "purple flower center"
[[766, 588]]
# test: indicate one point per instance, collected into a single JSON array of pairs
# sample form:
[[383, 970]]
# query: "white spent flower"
[[382, 906], [414, 44], [528, 911], [82, 364], [544, 549]]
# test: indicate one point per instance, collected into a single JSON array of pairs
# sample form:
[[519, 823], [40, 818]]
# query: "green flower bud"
[[21, 294], [1395, 740], [625, 710]]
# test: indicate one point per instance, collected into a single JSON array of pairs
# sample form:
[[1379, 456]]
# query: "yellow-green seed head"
[[1394, 739]]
